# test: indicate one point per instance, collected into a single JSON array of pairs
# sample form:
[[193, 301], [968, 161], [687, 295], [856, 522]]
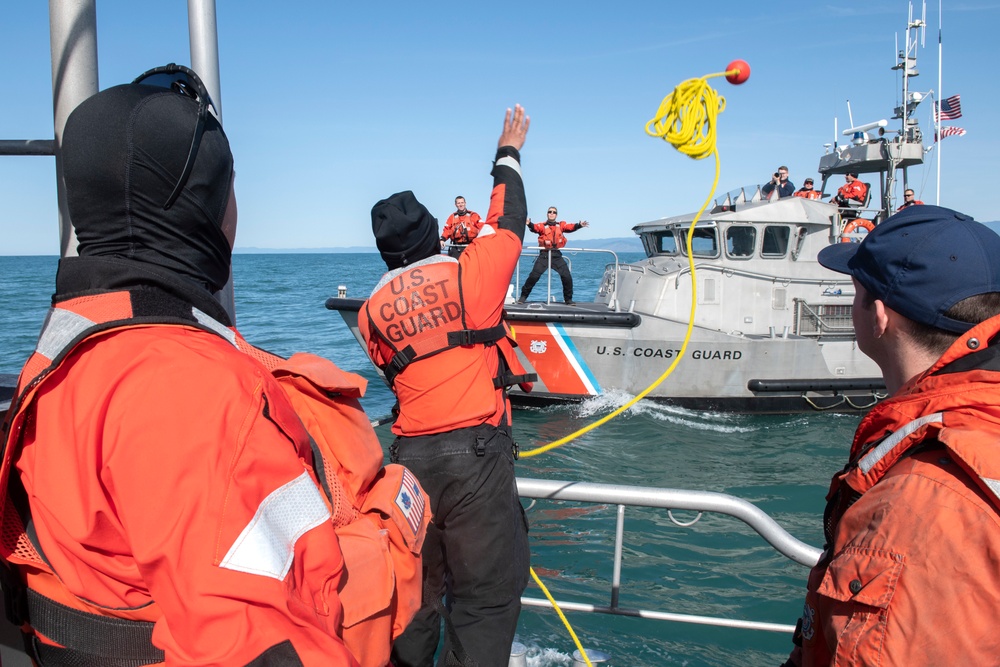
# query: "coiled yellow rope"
[[686, 117]]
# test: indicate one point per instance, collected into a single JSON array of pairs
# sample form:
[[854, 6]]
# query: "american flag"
[[410, 499], [950, 132], [951, 108]]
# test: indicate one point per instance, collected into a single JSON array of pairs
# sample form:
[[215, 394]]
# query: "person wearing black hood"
[[163, 481], [434, 325]]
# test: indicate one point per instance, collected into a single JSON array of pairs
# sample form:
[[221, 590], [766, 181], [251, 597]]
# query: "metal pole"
[[616, 574], [548, 286], [73, 43], [204, 38], [940, 95], [27, 147]]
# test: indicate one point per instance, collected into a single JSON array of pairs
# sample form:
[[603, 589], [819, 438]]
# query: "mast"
[[937, 116], [909, 126]]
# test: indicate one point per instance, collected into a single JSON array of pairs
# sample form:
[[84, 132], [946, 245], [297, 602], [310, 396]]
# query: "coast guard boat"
[[772, 328]]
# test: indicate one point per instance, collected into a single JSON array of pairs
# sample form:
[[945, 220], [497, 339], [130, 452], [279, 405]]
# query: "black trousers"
[[559, 265], [475, 555]]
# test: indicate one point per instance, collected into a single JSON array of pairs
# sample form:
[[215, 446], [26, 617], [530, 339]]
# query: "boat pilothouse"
[[756, 268]]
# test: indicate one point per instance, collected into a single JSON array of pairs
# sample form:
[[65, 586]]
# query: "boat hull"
[[583, 351]]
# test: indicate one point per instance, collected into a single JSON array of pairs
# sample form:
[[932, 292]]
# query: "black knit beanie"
[[405, 231]]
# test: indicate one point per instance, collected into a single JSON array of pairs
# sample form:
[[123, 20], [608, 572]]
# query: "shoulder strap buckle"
[[399, 361], [473, 336]]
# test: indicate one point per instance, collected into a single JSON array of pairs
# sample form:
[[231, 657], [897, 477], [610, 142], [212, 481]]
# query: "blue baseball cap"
[[921, 262]]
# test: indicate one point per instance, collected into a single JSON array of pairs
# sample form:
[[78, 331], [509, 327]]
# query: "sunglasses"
[[181, 80], [553, 212]]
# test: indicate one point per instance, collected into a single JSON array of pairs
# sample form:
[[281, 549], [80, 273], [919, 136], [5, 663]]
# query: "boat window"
[[775, 241], [664, 243], [705, 242], [740, 241]]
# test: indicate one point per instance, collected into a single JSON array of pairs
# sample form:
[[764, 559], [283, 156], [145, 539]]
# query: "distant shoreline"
[[623, 244]]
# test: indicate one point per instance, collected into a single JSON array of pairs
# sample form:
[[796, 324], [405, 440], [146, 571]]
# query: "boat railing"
[[729, 271], [822, 319], [534, 251], [622, 496]]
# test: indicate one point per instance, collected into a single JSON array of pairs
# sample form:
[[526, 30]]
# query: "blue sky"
[[331, 106]]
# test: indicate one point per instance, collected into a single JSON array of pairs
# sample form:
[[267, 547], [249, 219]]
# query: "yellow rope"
[[572, 634], [686, 119]]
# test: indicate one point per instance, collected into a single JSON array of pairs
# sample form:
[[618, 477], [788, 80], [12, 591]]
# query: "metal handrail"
[[548, 297], [730, 271], [668, 499]]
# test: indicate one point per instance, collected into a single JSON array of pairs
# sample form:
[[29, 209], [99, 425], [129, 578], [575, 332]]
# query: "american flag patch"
[[410, 499]]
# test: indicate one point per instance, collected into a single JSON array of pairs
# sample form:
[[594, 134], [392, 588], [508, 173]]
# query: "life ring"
[[854, 225]]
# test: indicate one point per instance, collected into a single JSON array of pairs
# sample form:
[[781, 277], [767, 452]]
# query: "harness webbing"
[[438, 342], [96, 640]]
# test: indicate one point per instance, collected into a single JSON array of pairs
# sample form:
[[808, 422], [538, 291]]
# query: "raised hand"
[[515, 129]]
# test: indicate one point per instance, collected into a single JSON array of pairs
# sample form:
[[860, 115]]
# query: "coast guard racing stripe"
[[559, 365]]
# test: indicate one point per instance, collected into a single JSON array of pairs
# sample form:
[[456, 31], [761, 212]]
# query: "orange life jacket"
[[855, 190], [380, 513], [807, 194], [420, 312], [952, 409], [462, 229], [551, 236]]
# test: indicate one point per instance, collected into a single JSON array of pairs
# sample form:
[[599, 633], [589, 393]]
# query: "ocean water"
[[716, 567]]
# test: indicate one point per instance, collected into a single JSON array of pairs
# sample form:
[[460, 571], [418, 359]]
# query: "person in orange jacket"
[[434, 325], [851, 193], [163, 500], [909, 199], [551, 237], [460, 228], [908, 574]]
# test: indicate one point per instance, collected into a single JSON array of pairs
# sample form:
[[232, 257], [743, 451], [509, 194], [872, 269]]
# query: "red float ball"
[[740, 76]]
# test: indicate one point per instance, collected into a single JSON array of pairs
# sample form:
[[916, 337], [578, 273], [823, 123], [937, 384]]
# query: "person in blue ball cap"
[[909, 572]]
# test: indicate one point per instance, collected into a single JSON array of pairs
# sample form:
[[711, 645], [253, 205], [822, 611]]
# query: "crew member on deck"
[[852, 193], [779, 182], [166, 503], [909, 200], [908, 573], [434, 325], [806, 191], [460, 228], [551, 237]]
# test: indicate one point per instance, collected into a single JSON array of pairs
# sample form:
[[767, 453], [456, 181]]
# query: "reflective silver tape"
[[218, 327], [508, 161], [60, 328], [874, 456], [267, 544]]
